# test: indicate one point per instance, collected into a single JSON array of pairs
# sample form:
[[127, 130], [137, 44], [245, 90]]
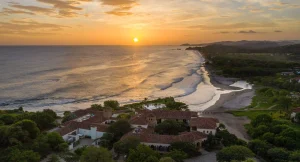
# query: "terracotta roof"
[[204, 123], [74, 125], [174, 114], [139, 119], [96, 119], [145, 136], [296, 110]]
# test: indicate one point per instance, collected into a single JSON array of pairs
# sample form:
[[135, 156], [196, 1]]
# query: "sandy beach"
[[230, 101]]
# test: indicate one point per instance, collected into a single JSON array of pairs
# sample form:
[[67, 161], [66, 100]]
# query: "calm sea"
[[73, 77]]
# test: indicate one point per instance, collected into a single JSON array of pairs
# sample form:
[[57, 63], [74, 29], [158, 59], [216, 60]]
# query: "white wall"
[[84, 132], [155, 144], [207, 131], [136, 126]]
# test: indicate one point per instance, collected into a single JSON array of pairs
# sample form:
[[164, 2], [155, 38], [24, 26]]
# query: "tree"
[[7, 119], [211, 142], [29, 126], [151, 159], [55, 141], [187, 147], [285, 102], [112, 104], [23, 156], [43, 120], [269, 137], [172, 105], [295, 156], [97, 107], [118, 129], [277, 154], [80, 150], [94, 154], [166, 159], [41, 145], [230, 153], [141, 154], [228, 139], [179, 156], [50, 113], [261, 119], [107, 140], [259, 147], [170, 127], [123, 147], [54, 158]]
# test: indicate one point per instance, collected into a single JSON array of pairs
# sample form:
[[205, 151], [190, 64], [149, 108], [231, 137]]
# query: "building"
[[162, 142], [86, 123], [294, 112], [147, 118], [204, 125]]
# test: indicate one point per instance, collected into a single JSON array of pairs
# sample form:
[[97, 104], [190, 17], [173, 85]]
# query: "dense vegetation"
[[274, 139], [23, 135], [171, 127]]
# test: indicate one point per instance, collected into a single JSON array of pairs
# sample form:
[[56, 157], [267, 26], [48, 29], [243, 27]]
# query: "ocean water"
[[74, 77]]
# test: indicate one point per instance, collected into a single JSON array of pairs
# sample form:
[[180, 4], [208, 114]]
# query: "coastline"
[[230, 101]]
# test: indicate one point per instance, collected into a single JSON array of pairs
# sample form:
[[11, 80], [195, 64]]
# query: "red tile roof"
[[174, 114], [74, 125], [296, 110], [140, 119], [148, 137], [95, 120], [204, 123]]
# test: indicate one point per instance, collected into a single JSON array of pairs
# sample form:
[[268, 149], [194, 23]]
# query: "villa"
[[148, 118], [88, 123], [93, 124], [162, 142]]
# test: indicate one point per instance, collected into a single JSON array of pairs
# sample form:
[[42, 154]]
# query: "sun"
[[136, 40]]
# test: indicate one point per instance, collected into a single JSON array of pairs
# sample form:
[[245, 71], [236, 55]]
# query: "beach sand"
[[230, 101]]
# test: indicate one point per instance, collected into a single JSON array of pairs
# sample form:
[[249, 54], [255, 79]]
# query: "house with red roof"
[[162, 142], [204, 125], [87, 123], [149, 119]]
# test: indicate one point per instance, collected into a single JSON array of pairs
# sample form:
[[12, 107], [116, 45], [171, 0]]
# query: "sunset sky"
[[153, 22]]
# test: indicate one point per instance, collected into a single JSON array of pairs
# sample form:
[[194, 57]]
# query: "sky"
[[153, 22]]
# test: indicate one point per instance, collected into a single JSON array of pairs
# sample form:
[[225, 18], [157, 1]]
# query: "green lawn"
[[252, 114]]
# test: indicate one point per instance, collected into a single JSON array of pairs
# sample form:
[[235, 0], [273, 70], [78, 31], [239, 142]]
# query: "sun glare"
[[136, 40]]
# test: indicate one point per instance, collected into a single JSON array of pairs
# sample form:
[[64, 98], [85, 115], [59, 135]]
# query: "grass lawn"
[[252, 114]]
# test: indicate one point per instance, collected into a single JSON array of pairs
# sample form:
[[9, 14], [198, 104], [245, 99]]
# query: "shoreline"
[[230, 101]]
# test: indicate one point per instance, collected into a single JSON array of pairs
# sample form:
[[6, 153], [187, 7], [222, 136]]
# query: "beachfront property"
[[87, 123], [162, 142], [93, 124], [149, 119], [294, 112]]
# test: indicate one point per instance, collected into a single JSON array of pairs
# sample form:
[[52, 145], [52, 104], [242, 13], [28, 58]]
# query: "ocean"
[[74, 77]]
